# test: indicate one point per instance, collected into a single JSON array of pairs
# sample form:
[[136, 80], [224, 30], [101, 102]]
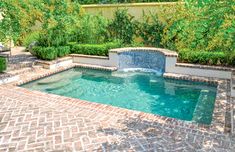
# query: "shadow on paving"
[[143, 135]]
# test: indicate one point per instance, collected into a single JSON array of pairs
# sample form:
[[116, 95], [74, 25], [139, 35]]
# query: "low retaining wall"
[[197, 70], [171, 65], [56, 63]]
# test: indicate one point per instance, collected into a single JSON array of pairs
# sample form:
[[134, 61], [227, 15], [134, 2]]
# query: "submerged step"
[[58, 86], [199, 114], [59, 78], [23, 70]]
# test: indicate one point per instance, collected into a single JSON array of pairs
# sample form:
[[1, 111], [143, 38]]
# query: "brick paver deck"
[[32, 120], [37, 121]]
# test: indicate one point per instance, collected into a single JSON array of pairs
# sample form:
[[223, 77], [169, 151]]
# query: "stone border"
[[204, 67], [54, 61], [89, 56], [165, 52], [61, 69], [65, 61], [9, 79], [218, 122]]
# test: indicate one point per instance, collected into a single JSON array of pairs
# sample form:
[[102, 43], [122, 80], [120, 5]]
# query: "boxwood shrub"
[[63, 51], [50, 53], [45, 53], [93, 49], [3, 64], [203, 57]]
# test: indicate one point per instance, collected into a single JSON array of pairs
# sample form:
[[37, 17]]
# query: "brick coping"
[[206, 67], [54, 61], [219, 114], [89, 56], [165, 52]]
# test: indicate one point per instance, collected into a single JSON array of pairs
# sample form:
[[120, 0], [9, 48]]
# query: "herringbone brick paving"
[[35, 121]]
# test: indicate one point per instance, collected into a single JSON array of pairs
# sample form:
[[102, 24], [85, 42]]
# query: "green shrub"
[[230, 58], [194, 27], [90, 29], [203, 57], [63, 51], [151, 30], [123, 27], [93, 49], [45, 53], [31, 37], [53, 37], [3, 64]]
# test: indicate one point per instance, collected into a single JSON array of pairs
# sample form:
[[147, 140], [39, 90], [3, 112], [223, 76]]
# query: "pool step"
[[202, 105], [92, 66], [58, 85], [23, 70], [233, 117], [233, 84], [233, 104], [17, 62]]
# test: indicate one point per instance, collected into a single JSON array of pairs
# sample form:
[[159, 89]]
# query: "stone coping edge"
[[208, 80], [61, 69], [165, 52], [53, 61], [90, 56], [206, 67]]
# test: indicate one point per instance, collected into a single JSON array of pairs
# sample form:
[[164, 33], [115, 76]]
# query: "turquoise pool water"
[[147, 92]]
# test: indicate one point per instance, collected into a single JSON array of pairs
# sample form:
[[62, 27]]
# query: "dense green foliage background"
[[202, 31]]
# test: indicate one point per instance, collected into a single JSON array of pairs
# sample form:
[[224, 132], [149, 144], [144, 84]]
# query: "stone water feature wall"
[[144, 59]]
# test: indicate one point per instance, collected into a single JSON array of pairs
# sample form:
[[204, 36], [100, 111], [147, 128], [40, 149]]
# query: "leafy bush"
[[123, 27], [63, 51], [45, 53], [56, 36], [194, 27], [20, 16], [151, 30], [58, 20], [3, 63], [203, 57], [30, 38], [93, 49], [230, 58], [90, 29]]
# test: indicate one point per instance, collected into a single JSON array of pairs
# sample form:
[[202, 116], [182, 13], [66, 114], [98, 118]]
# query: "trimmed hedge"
[[45, 53], [63, 51], [50, 53], [93, 49], [202, 57], [3, 64]]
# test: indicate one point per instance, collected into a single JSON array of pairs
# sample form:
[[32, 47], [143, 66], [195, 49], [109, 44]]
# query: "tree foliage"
[[204, 25], [18, 17]]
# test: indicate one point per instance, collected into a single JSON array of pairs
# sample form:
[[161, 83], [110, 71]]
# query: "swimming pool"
[[141, 91]]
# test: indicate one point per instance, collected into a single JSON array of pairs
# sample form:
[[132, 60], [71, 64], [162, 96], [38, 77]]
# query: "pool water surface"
[[141, 91]]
